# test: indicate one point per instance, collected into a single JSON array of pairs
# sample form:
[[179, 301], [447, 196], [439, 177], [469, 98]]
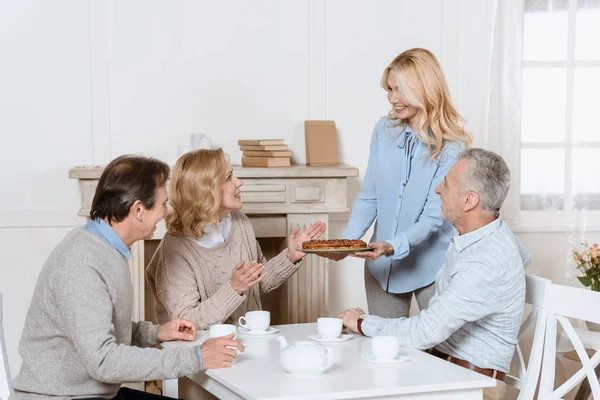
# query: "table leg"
[[170, 388]]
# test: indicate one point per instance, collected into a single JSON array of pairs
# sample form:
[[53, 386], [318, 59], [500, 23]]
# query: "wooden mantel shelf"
[[299, 189], [277, 200], [295, 171]]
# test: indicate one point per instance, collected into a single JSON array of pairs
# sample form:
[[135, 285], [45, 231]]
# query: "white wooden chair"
[[561, 303], [526, 377], [5, 379]]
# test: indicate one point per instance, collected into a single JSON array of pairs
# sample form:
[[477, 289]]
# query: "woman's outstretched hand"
[[295, 240]]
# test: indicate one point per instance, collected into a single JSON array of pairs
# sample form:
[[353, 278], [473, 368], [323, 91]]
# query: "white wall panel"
[[45, 104], [362, 39], [474, 20], [231, 69]]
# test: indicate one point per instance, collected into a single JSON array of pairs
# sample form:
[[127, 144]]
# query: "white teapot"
[[304, 357]]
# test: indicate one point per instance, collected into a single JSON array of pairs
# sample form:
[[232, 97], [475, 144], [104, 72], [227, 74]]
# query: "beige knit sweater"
[[193, 282]]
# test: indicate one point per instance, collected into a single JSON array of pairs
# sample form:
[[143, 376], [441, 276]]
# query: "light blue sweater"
[[399, 191]]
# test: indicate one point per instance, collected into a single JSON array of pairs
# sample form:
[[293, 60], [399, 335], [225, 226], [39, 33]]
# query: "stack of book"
[[265, 153]]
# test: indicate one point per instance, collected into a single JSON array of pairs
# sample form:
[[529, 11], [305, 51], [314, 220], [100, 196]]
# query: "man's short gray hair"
[[488, 176]]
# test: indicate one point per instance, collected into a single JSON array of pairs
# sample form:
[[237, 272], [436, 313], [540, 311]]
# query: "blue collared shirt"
[[100, 228], [478, 304], [399, 191]]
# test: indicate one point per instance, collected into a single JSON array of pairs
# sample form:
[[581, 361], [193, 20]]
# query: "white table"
[[257, 373]]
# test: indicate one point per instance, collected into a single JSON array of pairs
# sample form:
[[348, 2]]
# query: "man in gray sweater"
[[79, 340]]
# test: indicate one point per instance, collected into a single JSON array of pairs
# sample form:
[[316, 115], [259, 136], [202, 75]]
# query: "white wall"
[[84, 81], [45, 123]]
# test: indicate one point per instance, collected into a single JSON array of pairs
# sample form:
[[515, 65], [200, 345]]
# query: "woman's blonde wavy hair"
[[195, 192], [421, 84]]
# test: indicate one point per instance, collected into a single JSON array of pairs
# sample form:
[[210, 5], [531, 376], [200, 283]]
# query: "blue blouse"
[[399, 191]]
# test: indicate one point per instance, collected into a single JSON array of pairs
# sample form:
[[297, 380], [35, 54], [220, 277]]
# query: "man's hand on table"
[[219, 352], [177, 329], [350, 318]]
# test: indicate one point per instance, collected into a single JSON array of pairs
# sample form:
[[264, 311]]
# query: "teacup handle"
[[329, 359], [242, 324]]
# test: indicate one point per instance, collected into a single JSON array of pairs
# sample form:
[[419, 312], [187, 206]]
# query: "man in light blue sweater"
[[79, 340], [474, 317]]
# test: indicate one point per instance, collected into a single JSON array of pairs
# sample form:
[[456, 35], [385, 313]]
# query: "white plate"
[[342, 338], [246, 331], [371, 359]]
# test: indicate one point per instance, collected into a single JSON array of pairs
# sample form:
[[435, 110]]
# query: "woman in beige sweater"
[[209, 267]]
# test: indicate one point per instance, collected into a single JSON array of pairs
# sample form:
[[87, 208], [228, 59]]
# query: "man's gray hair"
[[488, 176]]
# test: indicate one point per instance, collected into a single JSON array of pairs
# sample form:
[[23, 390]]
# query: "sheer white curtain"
[[504, 100], [543, 106]]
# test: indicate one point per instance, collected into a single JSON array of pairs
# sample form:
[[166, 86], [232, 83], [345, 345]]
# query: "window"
[[560, 110]]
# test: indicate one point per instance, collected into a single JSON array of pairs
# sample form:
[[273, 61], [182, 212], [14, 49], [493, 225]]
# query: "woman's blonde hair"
[[195, 192], [421, 84]]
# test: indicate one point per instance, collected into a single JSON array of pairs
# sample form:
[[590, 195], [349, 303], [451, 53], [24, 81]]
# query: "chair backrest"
[[5, 380], [526, 377], [563, 302]]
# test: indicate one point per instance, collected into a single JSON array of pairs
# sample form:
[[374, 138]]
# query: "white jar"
[[200, 141]]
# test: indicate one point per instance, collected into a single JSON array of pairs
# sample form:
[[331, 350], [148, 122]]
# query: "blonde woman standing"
[[412, 149], [209, 266]]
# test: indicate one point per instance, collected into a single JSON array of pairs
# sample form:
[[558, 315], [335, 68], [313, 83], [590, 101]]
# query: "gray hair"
[[488, 176]]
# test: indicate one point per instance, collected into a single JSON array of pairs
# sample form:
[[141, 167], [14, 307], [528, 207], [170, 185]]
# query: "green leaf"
[[585, 281], [589, 274]]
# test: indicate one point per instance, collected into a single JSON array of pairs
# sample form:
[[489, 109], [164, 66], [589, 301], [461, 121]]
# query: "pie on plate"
[[334, 246]]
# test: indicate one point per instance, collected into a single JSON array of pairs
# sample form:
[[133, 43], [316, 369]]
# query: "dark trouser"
[[131, 394], [394, 305]]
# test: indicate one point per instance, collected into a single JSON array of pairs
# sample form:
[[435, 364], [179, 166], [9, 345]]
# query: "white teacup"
[[329, 328], [219, 330], [385, 348], [256, 321]]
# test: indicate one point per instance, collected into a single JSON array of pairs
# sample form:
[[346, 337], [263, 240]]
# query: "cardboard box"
[[321, 143]]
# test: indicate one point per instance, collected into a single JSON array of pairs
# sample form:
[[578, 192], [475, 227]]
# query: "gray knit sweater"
[[78, 339], [193, 282]]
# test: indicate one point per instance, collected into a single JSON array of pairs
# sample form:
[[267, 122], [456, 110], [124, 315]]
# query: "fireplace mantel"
[[276, 200]]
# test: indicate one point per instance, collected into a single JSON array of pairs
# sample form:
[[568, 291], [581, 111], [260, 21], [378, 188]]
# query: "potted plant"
[[588, 262]]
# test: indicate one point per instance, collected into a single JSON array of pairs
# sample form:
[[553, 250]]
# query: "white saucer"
[[342, 338], [371, 359], [246, 331]]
